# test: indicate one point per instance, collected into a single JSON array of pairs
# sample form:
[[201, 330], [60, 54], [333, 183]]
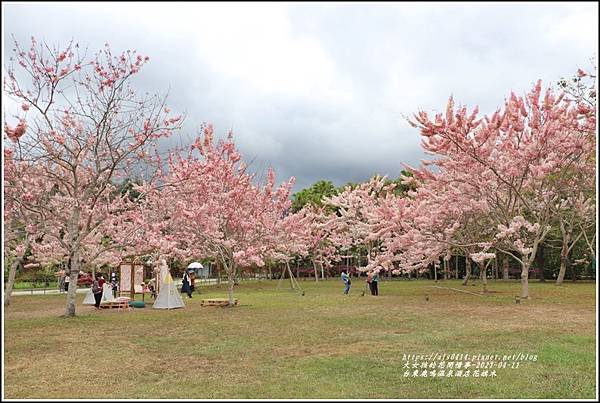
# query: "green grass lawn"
[[280, 344]]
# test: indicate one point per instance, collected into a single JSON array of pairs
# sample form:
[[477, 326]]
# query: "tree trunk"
[[74, 260], [456, 267], [270, 272], [73, 277], [468, 270], [11, 279], [505, 267], [572, 269], [484, 277], [525, 279], [435, 272], [231, 271], [564, 254], [289, 271], [496, 268], [230, 283], [316, 272]]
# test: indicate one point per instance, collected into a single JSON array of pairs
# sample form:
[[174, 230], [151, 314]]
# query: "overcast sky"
[[319, 91]]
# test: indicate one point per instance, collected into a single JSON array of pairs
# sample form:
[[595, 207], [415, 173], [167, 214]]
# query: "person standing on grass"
[[97, 291], [114, 283], [192, 283], [67, 280], [369, 279], [375, 283], [186, 284], [347, 282], [101, 282], [152, 288]]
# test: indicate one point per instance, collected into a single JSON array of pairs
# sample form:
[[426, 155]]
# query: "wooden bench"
[[217, 302]]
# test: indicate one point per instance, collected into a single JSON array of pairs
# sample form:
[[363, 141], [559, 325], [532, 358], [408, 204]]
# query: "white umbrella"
[[195, 265]]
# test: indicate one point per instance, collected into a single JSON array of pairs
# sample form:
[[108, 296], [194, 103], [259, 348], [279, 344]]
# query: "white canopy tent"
[[168, 296]]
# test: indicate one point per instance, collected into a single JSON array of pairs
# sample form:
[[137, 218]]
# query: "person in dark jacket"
[[186, 284], [192, 282], [101, 282], [67, 280], [97, 290], [347, 282], [114, 283], [374, 284], [152, 288]]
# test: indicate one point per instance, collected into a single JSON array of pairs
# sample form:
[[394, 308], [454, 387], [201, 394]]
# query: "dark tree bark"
[[572, 269], [468, 270], [505, 274]]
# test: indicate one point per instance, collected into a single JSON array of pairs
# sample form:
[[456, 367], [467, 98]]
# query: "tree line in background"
[[85, 184]]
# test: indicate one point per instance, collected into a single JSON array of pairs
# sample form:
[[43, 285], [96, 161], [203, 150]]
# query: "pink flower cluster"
[[14, 134]]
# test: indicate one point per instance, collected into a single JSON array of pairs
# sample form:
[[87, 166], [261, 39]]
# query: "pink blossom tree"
[[441, 219], [575, 216], [365, 219], [286, 239], [512, 156], [211, 200], [575, 213], [320, 231], [23, 188], [85, 128]]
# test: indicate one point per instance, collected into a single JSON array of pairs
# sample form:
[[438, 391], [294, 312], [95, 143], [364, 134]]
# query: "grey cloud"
[[337, 115]]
